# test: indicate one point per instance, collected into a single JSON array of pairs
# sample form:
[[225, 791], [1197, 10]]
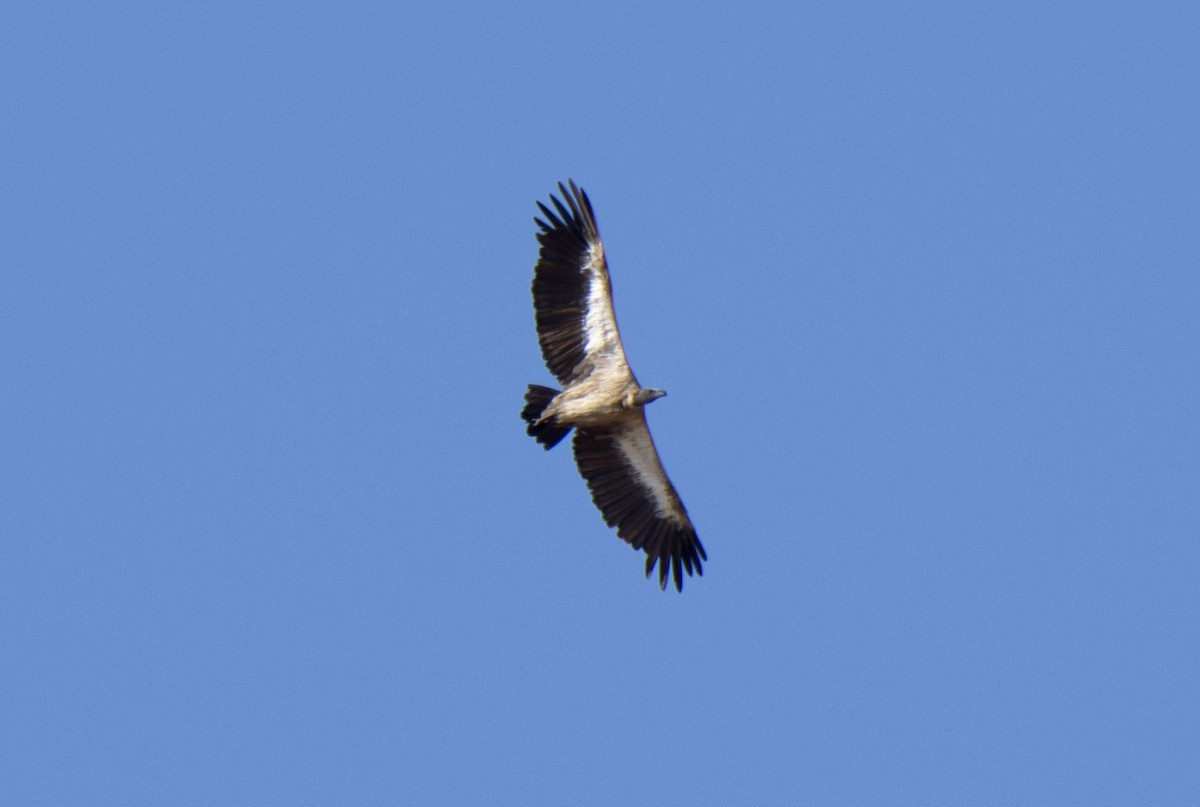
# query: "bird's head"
[[645, 396]]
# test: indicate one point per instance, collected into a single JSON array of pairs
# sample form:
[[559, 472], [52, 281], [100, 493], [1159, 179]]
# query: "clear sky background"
[[922, 283]]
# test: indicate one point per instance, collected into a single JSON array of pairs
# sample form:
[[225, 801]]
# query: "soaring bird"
[[601, 399]]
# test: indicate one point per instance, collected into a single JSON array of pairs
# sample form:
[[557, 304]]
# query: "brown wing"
[[572, 295], [634, 495]]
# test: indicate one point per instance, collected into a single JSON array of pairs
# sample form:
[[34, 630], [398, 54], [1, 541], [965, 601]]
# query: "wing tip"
[[675, 562], [574, 212]]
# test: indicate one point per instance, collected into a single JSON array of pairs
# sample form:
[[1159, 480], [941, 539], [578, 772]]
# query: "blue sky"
[[922, 283]]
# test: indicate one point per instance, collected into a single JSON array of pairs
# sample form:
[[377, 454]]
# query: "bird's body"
[[595, 401], [601, 399]]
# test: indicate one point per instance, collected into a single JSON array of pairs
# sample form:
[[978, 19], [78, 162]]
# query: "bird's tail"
[[537, 398]]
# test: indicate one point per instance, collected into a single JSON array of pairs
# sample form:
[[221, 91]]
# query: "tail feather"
[[537, 398]]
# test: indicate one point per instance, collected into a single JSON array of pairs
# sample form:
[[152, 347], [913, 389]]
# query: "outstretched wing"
[[572, 295], [632, 490]]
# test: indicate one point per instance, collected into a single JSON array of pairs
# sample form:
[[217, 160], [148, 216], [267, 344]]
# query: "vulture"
[[600, 397]]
